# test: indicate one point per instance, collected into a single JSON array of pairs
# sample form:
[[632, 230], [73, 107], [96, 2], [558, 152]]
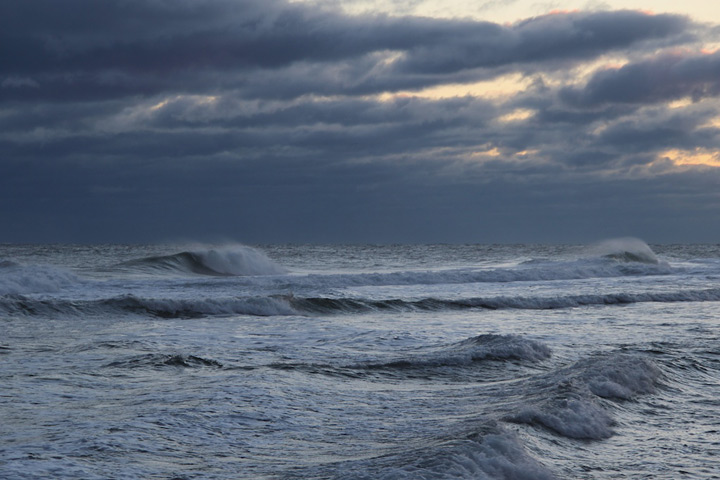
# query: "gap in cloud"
[[696, 156], [500, 88]]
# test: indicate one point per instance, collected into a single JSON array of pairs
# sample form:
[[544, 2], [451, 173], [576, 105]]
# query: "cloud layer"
[[275, 121]]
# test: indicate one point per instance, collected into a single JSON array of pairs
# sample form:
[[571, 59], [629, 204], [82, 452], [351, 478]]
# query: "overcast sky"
[[270, 121]]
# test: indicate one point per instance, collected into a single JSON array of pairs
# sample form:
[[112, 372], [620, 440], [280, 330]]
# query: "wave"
[[322, 305], [236, 260], [157, 307], [160, 360], [283, 305], [467, 352], [8, 264], [569, 402], [528, 272], [490, 452], [626, 250], [18, 279]]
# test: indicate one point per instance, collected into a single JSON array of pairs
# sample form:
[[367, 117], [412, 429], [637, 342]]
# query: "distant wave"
[[530, 271], [18, 279], [280, 305], [236, 260], [356, 305], [8, 264], [626, 250]]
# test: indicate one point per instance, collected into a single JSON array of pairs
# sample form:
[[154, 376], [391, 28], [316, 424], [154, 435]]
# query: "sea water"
[[360, 362]]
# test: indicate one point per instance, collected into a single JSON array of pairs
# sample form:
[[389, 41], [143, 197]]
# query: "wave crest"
[[235, 260], [17, 279], [626, 250], [571, 402]]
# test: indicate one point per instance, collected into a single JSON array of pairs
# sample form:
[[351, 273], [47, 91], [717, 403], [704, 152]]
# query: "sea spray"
[[625, 250], [228, 260]]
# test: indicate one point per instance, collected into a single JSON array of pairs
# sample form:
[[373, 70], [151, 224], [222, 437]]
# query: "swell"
[[161, 360], [279, 305], [322, 305], [459, 361], [531, 271], [157, 307]]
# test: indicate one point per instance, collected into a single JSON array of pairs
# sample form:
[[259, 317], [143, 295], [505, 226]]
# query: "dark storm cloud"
[[659, 79], [132, 120], [86, 49], [656, 130], [550, 37]]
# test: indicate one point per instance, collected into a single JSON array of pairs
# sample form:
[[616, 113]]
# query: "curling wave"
[[626, 250], [237, 260]]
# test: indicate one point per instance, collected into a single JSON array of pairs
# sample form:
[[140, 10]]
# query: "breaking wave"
[[491, 452], [17, 279], [626, 250], [236, 260], [570, 401]]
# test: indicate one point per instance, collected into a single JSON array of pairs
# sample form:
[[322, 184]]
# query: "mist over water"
[[360, 362]]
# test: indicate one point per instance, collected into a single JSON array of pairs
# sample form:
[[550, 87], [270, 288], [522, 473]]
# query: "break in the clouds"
[[276, 121]]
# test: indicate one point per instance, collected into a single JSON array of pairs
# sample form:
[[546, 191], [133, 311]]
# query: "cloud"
[[552, 37], [277, 121], [116, 49], [658, 79]]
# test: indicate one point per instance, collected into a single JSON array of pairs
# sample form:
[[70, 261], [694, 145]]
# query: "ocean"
[[360, 361]]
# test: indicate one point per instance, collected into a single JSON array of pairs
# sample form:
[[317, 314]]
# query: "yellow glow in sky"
[[697, 156], [510, 11], [517, 115], [499, 88]]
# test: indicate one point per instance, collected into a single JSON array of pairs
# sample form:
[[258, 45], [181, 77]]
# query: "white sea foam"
[[238, 260], [16, 279], [622, 377], [227, 260], [490, 456], [575, 417], [574, 409], [625, 250]]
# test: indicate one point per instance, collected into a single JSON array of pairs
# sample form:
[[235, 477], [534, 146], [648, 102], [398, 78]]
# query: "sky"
[[367, 121]]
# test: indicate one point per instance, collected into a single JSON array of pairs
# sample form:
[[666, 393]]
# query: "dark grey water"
[[475, 361]]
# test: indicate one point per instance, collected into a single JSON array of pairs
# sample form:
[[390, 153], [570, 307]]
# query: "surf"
[[223, 261], [627, 250]]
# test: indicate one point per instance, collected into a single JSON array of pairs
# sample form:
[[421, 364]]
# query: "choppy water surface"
[[360, 362]]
